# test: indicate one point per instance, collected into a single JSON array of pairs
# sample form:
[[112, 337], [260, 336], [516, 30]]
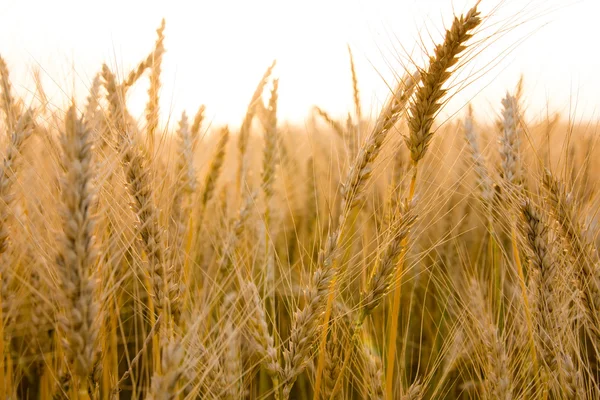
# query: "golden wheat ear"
[[484, 182], [150, 61], [77, 257], [428, 97], [152, 107], [17, 139], [8, 103], [536, 234], [244, 134]]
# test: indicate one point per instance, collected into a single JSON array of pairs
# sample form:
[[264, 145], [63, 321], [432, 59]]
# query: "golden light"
[[217, 50]]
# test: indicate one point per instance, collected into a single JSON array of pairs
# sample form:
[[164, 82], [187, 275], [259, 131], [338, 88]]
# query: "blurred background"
[[217, 51]]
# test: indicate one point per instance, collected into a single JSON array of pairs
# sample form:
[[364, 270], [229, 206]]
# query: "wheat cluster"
[[392, 256]]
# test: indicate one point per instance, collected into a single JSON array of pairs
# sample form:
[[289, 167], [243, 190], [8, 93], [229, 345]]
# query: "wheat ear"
[[337, 127], [425, 104], [484, 181], [373, 373], [271, 141], [149, 61], [77, 257], [510, 142], [244, 135], [214, 171], [582, 250], [7, 174], [164, 383], [152, 108], [380, 280], [257, 330], [197, 124], [498, 380], [355, 91], [551, 310], [10, 106], [428, 96]]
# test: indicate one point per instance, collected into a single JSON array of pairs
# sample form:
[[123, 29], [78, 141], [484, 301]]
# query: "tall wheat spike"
[[244, 135], [428, 95], [425, 104], [551, 308], [149, 61], [77, 257], [152, 108], [7, 174], [9, 105]]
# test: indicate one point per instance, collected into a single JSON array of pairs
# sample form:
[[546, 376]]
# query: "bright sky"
[[218, 49]]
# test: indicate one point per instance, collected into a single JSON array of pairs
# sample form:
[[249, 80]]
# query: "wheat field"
[[392, 256]]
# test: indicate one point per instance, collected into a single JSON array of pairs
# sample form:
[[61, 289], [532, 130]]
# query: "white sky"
[[218, 49]]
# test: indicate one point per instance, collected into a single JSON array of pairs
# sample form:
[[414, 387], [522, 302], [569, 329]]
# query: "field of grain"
[[388, 257]]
